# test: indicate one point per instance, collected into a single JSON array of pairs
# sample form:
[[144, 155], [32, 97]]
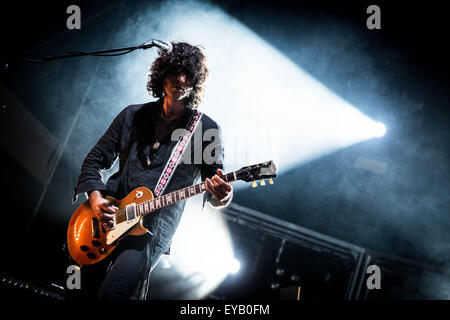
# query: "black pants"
[[127, 276]]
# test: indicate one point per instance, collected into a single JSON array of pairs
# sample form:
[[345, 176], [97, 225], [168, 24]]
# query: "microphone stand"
[[98, 53]]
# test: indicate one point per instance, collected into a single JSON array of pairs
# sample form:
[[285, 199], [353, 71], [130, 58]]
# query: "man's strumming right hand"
[[103, 208]]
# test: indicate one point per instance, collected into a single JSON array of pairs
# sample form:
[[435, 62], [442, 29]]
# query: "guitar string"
[[122, 212]]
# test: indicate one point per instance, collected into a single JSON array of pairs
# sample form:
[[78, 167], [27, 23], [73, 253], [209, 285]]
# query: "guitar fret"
[[171, 198], [175, 196]]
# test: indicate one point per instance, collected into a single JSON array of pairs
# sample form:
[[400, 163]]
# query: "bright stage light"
[[201, 249], [234, 266], [379, 129]]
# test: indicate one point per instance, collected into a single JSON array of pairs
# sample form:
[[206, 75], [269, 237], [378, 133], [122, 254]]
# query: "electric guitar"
[[89, 241]]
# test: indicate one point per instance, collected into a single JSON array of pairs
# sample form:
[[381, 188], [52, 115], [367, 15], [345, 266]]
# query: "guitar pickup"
[[131, 211]]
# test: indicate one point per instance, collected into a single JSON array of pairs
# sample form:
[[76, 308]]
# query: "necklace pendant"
[[156, 145]]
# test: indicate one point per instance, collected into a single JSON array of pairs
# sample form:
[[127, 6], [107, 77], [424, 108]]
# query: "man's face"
[[177, 86]]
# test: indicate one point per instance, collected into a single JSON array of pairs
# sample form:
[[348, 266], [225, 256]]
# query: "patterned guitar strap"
[[177, 153]]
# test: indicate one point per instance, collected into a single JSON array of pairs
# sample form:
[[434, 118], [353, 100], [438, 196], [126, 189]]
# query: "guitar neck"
[[176, 196]]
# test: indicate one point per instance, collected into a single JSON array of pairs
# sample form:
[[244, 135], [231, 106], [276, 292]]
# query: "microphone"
[[164, 46]]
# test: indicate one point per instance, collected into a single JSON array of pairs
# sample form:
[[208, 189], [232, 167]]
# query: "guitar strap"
[[177, 153]]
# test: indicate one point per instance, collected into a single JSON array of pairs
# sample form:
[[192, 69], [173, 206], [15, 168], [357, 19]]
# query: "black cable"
[[102, 54]]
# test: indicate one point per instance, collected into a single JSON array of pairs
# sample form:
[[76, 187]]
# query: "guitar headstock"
[[263, 170]]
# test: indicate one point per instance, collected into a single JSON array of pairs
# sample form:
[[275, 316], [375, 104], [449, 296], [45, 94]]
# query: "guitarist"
[[140, 136]]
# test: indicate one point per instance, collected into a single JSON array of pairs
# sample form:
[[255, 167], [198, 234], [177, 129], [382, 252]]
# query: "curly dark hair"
[[186, 58]]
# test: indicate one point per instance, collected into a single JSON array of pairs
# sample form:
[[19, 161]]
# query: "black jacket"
[[129, 138]]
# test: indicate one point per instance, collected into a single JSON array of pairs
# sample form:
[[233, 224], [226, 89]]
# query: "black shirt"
[[129, 138]]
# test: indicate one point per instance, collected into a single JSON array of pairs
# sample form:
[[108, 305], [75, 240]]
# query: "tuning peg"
[[254, 184], [270, 181], [263, 183]]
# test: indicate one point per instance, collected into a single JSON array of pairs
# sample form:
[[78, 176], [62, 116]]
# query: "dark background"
[[404, 212]]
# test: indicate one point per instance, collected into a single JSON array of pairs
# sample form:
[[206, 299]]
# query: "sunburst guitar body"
[[90, 242]]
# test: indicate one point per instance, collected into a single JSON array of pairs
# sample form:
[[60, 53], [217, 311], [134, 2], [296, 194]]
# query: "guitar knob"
[[84, 248], [96, 243], [91, 255], [263, 183], [254, 184]]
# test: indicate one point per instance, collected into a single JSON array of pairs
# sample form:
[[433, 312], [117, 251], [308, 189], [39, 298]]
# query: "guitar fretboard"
[[146, 207]]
